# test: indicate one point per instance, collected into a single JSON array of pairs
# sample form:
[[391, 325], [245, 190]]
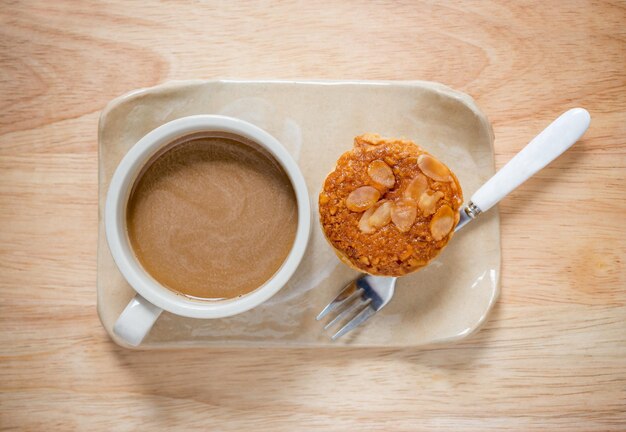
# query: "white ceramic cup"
[[152, 298]]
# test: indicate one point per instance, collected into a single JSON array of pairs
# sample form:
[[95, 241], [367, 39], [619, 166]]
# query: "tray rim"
[[462, 97]]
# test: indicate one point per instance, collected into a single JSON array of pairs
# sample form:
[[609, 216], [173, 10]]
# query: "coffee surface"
[[212, 218]]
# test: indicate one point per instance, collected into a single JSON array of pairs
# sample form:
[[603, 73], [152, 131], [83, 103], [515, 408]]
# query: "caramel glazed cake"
[[389, 207]]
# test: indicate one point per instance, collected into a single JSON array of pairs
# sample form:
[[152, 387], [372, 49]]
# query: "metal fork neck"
[[472, 210], [467, 214]]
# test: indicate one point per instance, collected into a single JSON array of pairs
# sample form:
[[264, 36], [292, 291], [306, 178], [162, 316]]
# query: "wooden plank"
[[551, 357]]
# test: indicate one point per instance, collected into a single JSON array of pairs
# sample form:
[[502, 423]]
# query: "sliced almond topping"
[[442, 222], [428, 202], [381, 174], [390, 161], [324, 198], [372, 139], [415, 262], [362, 198], [416, 188], [454, 185], [403, 214], [407, 253], [433, 168], [381, 216], [364, 222]]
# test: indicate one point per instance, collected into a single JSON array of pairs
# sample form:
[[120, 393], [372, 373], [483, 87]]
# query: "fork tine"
[[344, 297], [348, 311], [362, 316]]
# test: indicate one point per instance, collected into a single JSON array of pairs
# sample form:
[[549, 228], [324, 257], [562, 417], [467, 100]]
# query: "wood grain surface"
[[551, 357]]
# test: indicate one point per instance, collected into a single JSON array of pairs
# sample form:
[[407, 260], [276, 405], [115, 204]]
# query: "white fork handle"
[[543, 149]]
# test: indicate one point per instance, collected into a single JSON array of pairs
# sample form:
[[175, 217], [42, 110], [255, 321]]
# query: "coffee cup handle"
[[136, 320]]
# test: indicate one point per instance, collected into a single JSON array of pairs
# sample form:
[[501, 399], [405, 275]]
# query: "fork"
[[365, 296]]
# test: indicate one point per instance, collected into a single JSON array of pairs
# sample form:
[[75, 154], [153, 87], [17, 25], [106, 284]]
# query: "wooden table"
[[553, 354]]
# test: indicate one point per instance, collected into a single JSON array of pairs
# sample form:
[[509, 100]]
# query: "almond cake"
[[389, 207]]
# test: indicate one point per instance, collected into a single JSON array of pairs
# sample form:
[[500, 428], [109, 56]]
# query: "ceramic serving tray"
[[316, 122]]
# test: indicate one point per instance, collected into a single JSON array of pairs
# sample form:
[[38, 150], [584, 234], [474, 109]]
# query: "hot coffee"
[[212, 217]]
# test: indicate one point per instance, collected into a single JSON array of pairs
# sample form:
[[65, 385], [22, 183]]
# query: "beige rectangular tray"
[[316, 122]]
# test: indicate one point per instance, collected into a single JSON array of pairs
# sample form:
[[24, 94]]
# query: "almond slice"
[[368, 139], [417, 263], [428, 202], [362, 198], [382, 215], [381, 174], [364, 222], [433, 168], [442, 222], [403, 215], [416, 188]]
